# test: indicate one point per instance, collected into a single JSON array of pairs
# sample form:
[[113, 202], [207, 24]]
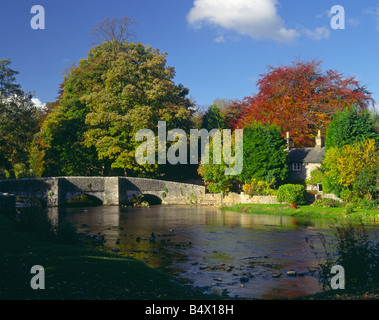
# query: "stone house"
[[302, 161]]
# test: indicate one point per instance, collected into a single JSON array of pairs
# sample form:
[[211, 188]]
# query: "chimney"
[[319, 141], [289, 142]]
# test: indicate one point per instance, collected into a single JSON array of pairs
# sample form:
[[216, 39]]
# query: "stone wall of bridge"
[[110, 190]]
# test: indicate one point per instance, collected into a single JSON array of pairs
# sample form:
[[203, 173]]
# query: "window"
[[296, 167]]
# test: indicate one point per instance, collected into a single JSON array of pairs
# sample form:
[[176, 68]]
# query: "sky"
[[219, 48]]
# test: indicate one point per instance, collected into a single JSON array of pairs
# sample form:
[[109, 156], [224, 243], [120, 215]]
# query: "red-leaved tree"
[[300, 99]]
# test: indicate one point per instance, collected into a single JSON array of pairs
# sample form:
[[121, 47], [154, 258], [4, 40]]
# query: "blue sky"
[[218, 48]]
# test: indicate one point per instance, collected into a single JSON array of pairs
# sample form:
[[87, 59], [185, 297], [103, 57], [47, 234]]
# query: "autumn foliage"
[[352, 171], [300, 99]]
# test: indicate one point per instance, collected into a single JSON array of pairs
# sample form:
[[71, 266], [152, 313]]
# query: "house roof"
[[306, 155]]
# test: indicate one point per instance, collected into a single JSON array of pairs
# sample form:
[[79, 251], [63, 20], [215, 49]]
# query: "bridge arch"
[[28, 200], [152, 199], [82, 198], [140, 198]]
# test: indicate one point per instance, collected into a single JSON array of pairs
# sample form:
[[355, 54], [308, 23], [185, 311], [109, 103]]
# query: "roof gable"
[[306, 155]]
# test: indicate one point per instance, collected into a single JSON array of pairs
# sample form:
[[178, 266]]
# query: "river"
[[229, 253]]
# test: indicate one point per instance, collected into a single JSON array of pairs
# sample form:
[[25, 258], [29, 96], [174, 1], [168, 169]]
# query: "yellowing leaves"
[[344, 165]]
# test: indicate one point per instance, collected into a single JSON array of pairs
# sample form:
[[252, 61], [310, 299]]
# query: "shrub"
[[317, 176], [349, 209], [21, 171], [140, 201], [4, 174], [355, 252], [351, 172], [369, 204], [327, 203], [292, 194], [66, 233], [259, 188]]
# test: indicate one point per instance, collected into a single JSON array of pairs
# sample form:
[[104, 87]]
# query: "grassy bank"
[[307, 211], [77, 272]]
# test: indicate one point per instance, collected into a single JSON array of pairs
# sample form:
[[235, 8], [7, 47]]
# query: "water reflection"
[[235, 254]]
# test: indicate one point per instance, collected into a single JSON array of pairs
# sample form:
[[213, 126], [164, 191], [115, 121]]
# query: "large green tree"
[[19, 119], [264, 152], [349, 126], [213, 118], [264, 159], [104, 101]]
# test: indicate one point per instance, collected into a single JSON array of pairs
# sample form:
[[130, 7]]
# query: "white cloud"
[[329, 14], [318, 33], [374, 13], [257, 19], [354, 22], [220, 39], [38, 103]]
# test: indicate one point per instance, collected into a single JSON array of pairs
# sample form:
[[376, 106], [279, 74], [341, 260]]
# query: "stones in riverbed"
[[292, 273], [222, 267], [244, 279], [276, 275]]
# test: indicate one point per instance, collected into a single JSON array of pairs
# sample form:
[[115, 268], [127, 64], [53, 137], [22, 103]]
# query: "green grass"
[[76, 272], [307, 211]]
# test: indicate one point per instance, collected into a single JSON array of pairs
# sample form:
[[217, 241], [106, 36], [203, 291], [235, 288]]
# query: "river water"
[[229, 253]]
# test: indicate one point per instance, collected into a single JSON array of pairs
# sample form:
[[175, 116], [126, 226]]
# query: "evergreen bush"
[[292, 194]]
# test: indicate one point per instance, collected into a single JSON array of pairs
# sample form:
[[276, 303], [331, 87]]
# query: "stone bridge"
[[112, 191]]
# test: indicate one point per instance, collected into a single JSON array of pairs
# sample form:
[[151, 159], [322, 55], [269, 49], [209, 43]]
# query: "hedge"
[[292, 193]]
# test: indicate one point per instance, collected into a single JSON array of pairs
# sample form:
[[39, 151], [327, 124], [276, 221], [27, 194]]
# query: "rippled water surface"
[[230, 253]]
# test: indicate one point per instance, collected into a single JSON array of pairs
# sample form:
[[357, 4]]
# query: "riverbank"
[[307, 211], [74, 272]]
